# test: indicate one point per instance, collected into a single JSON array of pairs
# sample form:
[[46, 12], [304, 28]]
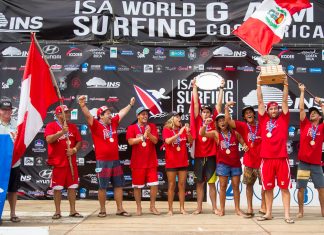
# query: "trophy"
[[208, 81], [271, 70]]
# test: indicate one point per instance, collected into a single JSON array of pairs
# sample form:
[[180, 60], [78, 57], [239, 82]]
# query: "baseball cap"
[[272, 103], [247, 108], [174, 113], [58, 109], [206, 107], [141, 109], [101, 110], [311, 109], [5, 104], [221, 115]]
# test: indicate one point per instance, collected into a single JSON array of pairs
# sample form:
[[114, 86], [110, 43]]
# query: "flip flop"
[[76, 215], [289, 221], [263, 218], [248, 215], [15, 219], [56, 216], [196, 212], [261, 213], [102, 214], [124, 213]]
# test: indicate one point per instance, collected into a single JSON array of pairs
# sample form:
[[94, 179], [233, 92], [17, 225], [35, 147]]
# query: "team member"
[[64, 141], [250, 131], [228, 159], [310, 152], [9, 126], [105, 139], [143, 136], [175, 137], [274, 163], [204, 148]]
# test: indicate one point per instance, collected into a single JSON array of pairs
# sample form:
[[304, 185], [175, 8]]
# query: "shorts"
[[204, 169], [110, 172], [14, 180], [306, 171], [226, 170], [275, 168], [250, 175], [177, 169], [142, 176], [62, 178]]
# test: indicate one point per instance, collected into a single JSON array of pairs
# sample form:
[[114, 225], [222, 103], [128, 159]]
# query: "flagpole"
[[311, 94], [60, 99]]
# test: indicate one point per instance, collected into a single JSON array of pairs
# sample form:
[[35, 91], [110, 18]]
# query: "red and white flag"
[[268, 24], [36, 95]]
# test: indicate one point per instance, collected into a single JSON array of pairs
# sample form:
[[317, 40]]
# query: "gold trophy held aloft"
[[271, 70]]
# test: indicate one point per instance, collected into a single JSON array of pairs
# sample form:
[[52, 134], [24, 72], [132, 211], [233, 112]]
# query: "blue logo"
[[308, 195], [110, 67], [290, 69], [229, 190], [127, 53], [83, 193], [160, 175], [291, 131], [315, 70], [177, 53], [110, 194], [83, 129], [84, 67]]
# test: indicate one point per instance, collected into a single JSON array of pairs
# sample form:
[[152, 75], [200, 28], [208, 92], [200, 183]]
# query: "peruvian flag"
[[37, 94], [267, 25]]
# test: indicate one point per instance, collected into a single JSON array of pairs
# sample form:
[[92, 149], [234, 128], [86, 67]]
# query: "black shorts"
[[204, 169], [14, 180]]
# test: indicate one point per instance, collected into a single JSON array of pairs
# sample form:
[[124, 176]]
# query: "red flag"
[[268, 23], [36, 95], [193, 128]]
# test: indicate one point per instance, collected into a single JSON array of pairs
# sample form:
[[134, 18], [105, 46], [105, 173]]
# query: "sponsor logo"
[[301, 70], [71, 67], [20, 24], [136, 68], [83, 129], [97, 53], [184, 68], [95, 67], [56, 68], [6, 85], [199, 68], [159, 54], [25, 178], [39, 146], [125, 162], [291, 131], [110, 67], [170, 68], [93, 178], [80, 161], [127, 53], [123, 68], [275, 17], [146, 193], [36, 193], [229, 68], [213, 68], [229, 190], [158, 68], [269, 94], [74, 52], [148, 68], [227, 52], [315, 70], [245, 68], [74, 114], [143, 54], [290, 69], [128, 177], [113, 52], [308, 195], [50, 52], [9, 68], [45, 174], [122, 147], [309, 55], [13, 52], [204, 52], [97, 82], [191, 178], [192, 53], [177, 53], [112, 99], [161, 162], [283, 54], [83, 192], [84, 67], [39, 161]]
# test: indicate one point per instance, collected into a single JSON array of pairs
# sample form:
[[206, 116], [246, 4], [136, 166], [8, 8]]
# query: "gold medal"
[[68, 142], [228, 151], [111, 139], [312, 142], [144, 144], [178, 148], [269, 135], [204, 139]]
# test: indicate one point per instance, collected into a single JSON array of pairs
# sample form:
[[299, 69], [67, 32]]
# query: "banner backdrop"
[[153, 21], [112, 74]]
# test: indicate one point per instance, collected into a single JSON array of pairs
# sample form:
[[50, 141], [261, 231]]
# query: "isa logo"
[[229, 190], [308, 195]]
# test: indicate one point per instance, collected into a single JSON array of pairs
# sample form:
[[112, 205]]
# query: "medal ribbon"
[[139, 128], [178, 138], [271, 125], [109, 130], [313, 131], [227, 139], [253, 135]]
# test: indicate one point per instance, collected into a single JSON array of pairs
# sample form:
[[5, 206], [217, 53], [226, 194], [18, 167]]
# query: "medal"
[[313, 132], [228, 151], [177, 141], [144, 144], [227, 141], [111, 140], [204, 139], [178, 148], [269, 134], [312, 142], [270, 127], [253, 135], [68, 142]]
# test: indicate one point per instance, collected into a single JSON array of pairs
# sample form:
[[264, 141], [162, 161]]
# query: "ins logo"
[[152, 102], [308, 195]]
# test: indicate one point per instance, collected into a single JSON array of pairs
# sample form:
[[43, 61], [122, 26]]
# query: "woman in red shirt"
[[228, 159], [176, 157]]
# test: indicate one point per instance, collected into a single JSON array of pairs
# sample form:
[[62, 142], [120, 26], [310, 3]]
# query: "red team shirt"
[[57, 151], [232, 159], [174, 158], [142, 157], [276, 146], [208, 148], [252, 157], [308, 153], [104, 149]]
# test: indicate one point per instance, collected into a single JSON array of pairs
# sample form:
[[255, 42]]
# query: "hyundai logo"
[[50, 49], [45, 174]]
